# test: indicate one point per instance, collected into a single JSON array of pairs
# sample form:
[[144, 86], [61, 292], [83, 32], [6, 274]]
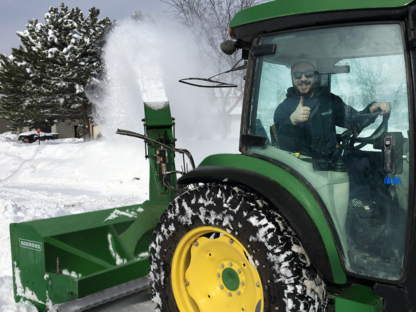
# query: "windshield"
[[332, 104]]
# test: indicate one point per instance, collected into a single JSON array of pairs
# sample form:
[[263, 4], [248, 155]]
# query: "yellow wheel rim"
[[212, 271]]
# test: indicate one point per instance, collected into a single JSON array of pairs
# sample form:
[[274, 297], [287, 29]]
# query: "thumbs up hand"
[[301, 113]]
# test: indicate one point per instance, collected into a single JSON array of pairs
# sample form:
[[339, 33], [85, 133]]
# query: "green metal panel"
[[66, 286], [280, 8], [115, 276], [145, 224], [293, 186], [358, 298], [69, 257], [158, 114]]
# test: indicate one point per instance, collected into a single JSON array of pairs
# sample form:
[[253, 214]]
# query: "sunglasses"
[[308, 74]]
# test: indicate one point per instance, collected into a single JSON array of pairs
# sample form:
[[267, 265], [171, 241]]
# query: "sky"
[[14, 14]]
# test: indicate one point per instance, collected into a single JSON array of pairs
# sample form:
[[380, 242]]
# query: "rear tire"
[[221, 248]]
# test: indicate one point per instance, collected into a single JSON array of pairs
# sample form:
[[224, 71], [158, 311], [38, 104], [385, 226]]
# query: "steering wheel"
[[360, 121]]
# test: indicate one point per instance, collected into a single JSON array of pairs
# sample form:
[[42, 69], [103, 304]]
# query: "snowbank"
[[8, 136]]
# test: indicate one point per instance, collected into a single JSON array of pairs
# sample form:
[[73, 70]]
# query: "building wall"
[[65, 129], [3, 125], [95, 134]]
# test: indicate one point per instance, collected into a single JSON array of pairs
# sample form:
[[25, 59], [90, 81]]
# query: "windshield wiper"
[[214, 83]]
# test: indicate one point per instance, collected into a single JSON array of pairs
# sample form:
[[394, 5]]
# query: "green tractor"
[[315, 214]]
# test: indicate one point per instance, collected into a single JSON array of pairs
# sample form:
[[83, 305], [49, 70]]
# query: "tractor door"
[[351, 152]]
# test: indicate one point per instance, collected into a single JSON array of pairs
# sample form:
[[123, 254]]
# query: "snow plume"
[[144, 61]]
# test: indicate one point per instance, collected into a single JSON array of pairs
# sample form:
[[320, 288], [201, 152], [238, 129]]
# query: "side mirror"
[[228, 47]]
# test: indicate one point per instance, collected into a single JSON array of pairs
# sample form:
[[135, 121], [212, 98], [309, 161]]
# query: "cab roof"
[[281, 15], [281, 8]]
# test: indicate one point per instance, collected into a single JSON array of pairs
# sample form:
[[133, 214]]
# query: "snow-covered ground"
[[68, 176]]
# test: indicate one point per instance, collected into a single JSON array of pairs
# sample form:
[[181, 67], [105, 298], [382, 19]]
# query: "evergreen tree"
[[43, 81]]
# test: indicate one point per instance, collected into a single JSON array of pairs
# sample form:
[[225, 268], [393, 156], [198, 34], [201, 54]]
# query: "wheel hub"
[[230, 279], [218, 275]]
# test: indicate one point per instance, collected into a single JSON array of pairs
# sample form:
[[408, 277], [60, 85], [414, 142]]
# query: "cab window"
[[332, 104]]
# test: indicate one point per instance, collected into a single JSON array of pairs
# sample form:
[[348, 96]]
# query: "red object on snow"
[[38, 131]]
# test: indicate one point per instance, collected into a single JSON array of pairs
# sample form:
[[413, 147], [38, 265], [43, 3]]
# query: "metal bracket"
[[161, 157]]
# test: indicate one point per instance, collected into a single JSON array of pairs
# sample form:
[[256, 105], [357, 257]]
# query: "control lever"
[[391, 145], [388, 153]]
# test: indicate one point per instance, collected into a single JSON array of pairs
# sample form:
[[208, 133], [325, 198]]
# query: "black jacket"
[[317, 136]]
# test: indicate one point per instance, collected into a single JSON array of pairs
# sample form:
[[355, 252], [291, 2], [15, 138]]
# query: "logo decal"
[[24, 243], [327, 112], [392, 180]]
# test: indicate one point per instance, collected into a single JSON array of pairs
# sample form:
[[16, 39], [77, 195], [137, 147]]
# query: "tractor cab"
[[354, 158]]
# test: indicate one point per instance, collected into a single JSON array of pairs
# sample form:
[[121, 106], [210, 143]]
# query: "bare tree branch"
[[209, 20]]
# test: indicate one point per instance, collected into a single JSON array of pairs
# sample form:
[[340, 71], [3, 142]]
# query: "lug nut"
[[231, 241], [218, 275], [196, 244], [221, 287], [239, 271], [242, 283], [238, 293], [258, 284], [222, 266], [230, 264], [186, 283], [229, 294]]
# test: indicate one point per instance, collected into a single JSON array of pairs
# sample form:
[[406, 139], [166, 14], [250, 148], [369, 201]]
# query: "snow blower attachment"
[[61, 259]]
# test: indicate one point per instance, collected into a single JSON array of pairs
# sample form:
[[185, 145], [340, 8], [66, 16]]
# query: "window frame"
[[410, 68]]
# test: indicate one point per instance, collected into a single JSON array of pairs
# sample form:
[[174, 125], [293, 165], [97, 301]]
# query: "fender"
[[293, 199]]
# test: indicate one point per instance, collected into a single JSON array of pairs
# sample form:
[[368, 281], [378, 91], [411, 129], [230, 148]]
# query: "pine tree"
[[43, 81]]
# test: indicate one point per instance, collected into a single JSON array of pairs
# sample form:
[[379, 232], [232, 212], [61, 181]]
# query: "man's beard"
[[301, 83]]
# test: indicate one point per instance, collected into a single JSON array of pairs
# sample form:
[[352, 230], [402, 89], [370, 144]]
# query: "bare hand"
[[385, 107], [301, 114]]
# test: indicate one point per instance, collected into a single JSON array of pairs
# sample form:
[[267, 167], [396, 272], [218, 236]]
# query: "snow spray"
[[144, 61]]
